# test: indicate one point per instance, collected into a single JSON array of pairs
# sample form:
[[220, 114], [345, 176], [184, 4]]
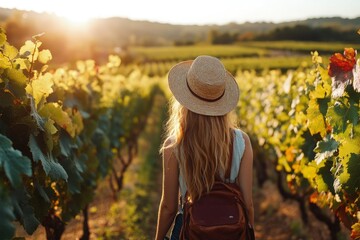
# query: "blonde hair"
[[202, 144]]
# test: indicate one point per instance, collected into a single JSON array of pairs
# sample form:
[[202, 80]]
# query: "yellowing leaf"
[[4, 62], [320, 183], [44, 56], [316, 122], [355, 229], [309, 172], [41, 87], [349, 146], [17, 82], [114, 61], [290, 154], [17, 76], [78, 122], [22, 63], [49, 127], [10, 51], [50, 130], [62, 119], [316, 58], [30, 50], [2, 37]]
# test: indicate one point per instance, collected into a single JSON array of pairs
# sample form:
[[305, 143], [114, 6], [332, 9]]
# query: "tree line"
[[294, 33]]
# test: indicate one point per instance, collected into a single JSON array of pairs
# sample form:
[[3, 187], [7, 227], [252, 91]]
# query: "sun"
[[76, 17], [76, 13]]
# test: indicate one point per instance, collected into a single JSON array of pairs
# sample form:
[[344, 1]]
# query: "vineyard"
[[68, 133]]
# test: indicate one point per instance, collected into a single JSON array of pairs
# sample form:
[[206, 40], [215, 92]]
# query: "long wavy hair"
[[202, 144]]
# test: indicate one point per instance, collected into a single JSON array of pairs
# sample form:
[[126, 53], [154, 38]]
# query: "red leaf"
[[342, 63]]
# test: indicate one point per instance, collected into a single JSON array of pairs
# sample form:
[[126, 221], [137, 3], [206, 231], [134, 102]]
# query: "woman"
[[201, 138]]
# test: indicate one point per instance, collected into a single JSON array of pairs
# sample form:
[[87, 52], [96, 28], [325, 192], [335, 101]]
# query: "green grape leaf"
[[44, 56], [10, 51], [65, 143], [6, 98], [323, 105], [34, 113], [4, 62], [7, 228], [62, 119], [324, 178], [75, 178], [349, 141], [77, 120], [321, 91], [320, 183], [353, 114], [316, 121], [350, 177], [42, 192], [340, 113], [325, 148], [50, 128], [24, 211], [50, 166], [17, 82], [42, 198], [13, 162]]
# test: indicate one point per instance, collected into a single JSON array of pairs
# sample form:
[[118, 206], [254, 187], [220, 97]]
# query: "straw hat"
[[204, 86]]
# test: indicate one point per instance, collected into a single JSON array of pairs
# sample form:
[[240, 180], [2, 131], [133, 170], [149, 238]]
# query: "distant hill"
[[162, 33], [103, 36], [123, 30]]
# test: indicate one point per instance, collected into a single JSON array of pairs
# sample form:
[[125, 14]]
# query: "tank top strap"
[[238, 152]]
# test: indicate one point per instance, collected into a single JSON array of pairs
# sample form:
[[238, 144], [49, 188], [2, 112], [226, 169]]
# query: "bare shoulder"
[[245, 136], [169, 141], [168, 148]]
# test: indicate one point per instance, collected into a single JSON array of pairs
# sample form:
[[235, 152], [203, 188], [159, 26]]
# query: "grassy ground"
[[302, 47], [282, 55], [240, 50]]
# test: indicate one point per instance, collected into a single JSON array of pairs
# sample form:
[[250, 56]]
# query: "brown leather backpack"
[[220, 214]]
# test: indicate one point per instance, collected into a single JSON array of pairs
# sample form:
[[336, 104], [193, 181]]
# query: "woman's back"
[[238, 148], [202, 133]]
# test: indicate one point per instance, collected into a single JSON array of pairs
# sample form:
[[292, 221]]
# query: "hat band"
[[202, 98]]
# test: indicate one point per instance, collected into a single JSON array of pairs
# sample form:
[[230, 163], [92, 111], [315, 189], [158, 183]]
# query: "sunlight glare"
[[75, 17], [76, 14]]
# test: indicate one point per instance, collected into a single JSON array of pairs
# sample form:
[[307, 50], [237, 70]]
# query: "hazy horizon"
[[194, 12]]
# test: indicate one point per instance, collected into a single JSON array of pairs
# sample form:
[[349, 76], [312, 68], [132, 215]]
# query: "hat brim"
[[179, 88]]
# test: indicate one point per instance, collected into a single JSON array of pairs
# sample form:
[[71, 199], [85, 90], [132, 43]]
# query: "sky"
[[192, 11]]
